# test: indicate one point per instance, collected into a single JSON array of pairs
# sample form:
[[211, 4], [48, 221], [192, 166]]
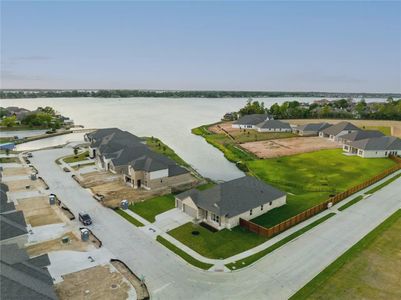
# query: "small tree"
[[164, 148], [75, 151], [7, 151]]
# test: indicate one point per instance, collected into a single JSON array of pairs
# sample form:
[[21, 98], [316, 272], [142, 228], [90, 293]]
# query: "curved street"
[[277, 276]]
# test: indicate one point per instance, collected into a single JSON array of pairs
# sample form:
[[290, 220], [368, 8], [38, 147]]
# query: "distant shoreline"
[[18, 94]]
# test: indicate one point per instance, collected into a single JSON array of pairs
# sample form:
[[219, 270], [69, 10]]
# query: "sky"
[[205, 45]]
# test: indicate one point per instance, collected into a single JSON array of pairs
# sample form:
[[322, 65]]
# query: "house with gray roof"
[[335, 131], [273, 126], [250, 121], [383, 146], [22, 277], [311, 129], [12, 222], [223, 205], [121, 152], [359, 135], [13, 228]]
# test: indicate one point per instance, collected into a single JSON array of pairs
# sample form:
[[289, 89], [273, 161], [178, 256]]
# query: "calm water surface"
[[169, 119]]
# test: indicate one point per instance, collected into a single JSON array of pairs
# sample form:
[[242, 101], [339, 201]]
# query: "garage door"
[[190, 211]]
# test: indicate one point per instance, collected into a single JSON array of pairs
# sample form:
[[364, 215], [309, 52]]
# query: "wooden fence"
[[271, 231]]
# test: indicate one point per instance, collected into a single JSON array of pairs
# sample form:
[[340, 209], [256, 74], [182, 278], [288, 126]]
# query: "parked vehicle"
[[29, 155], [85, 219]]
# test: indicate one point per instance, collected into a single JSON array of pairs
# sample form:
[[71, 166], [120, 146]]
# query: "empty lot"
[[37, 211], [16, 171], [291, 146]]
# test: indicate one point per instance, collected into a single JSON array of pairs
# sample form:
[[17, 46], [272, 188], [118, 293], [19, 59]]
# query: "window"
[[215, 218], [250, 212], [261, 207], [270, 203]]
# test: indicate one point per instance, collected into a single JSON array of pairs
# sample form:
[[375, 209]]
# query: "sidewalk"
[[219, 264]]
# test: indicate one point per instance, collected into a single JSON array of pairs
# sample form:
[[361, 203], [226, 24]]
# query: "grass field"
[[183, 255], [76, 158], [149, 209], [5, 160], [371, 269], [386, 130], [158, 146], [310, 178]]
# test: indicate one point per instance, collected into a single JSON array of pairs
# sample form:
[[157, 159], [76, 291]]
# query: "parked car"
[[84, 218]]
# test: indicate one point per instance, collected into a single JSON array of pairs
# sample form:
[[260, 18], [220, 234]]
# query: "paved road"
[[277, 276]]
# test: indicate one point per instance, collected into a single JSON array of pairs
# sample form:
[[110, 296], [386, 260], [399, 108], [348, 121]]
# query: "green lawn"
[[5, 160], [255, 257], [149, 209], [380, 186], [350, 203], [221, 244], [205, 186], [76, 158], [6, 140], [158, 146], [188, 258], [371, 269], [310, 178], [128, 217], [384, 129]]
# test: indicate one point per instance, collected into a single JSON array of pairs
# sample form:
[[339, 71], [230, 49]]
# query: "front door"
[[138, 183]]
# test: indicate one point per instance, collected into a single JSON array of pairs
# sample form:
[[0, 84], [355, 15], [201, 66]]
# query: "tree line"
[[336, 109], [8, 94]]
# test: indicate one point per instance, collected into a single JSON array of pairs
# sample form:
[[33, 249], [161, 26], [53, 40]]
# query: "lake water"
[[21, 133], [169, 119]]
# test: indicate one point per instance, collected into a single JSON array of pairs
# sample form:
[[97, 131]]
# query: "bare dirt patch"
[[116, 191], [100, 282], [37, 211], [25, 184], [16, 171], [74, 244], [98, 178], [291, 146], [140, 288], [222, 127]]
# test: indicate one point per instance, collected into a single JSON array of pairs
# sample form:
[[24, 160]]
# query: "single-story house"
[[359, 135], [13, 227], [121, 152], [335, 131], [311, 129], [12, 222], [383, 146], [23, 277], [223, 205], [250, 121], [273, 126]]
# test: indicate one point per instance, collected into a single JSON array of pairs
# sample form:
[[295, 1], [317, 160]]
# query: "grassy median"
[[188, 258]]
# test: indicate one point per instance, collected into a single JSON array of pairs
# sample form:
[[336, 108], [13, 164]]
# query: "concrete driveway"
[[276, 276], [171, 219]]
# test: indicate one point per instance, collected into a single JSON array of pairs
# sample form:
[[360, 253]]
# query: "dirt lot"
[[141, 290], [74, 244], [116, 191], [240, 136], [291, 146], [98, 178], [20, 185], [38, 212], [225, 125], [16, 171], [100, 282]]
